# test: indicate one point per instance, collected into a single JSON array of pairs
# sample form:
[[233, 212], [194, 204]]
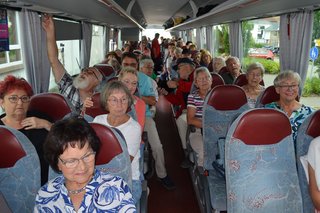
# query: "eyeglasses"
[[115, 101], [258, 75], [72, 163], [286, 87], [14, 99], [90, 72], [128, 83]]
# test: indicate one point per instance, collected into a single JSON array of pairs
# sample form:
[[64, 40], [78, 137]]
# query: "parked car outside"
[[261, 53]]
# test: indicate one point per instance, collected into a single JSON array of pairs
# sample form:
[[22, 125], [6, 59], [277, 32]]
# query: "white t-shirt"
[[131, 131], [313, 158]]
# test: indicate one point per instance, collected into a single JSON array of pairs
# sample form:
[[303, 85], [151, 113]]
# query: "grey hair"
[[125, 70], [288, 74], [109, 88], [220, 58], [145, 61], [233, 58], [254, 66], [178, 50], [200, 70]]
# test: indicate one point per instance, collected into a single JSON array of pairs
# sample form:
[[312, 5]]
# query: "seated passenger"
[[202, 81], [15, 96], [116, 99], [231, 71], [287, 86], [312, 170], [217, 64], [206, 58], [70, 148], [78, 89], [253, 88]]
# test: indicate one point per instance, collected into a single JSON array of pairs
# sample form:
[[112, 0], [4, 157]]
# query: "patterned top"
[[67, 89], [105, 193], [195, 101], [296, 118]]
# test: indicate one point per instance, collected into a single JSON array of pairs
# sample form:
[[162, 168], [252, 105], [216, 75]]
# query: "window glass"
[[220, 34], [261, 44], [13, 27], [97, 43]]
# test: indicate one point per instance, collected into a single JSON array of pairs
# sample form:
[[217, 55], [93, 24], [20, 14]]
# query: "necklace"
[[74, 192]]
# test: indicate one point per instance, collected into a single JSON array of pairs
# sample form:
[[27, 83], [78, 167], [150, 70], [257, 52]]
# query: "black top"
[[37, 138]]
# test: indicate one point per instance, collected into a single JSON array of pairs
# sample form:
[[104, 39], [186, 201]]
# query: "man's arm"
[[57, 68]]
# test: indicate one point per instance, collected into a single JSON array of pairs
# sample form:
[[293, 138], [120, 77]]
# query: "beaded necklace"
[[74, 192]]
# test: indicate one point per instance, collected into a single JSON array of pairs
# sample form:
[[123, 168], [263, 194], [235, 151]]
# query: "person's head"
[[116, 98], [218, 63], [287, 85], [119, 53], [130, 59], [188, 43], [157, 35], [206, 57], [192, 47], [178, 52], [71, 147], [15, 96], [88, 79], [129, 77], [254, 74], [186, 53], [111, 55], [196, 56], [126, 47], [202, 78], [146, 66], [115, 64], [185, 67], [171, 46], [233, 66]]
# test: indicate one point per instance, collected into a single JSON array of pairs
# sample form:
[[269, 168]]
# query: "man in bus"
[[156, 53], [81, 87], [147, 94], [231, 71]]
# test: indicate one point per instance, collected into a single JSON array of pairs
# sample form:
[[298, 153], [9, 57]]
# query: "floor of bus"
[[183, 198]]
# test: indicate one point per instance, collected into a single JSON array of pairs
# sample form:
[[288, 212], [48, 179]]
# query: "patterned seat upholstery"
[[52, 104], [261, 173], [19, 170], [308, 130], [221, 107], [113, 156]]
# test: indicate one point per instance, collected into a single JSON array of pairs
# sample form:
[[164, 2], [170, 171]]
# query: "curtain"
[[85, 44], [198, 39], [295, 42], [235, 39], [189, 37], [34, 51], [209, 39], [106, 39]]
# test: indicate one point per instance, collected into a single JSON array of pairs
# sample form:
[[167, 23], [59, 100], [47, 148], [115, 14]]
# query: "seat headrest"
[[96, 109], [51, 104], [110, 146], [262, 126], [11, 150], [216, 80], [227, 97], [269, 95], [105, 69], [314, 125]]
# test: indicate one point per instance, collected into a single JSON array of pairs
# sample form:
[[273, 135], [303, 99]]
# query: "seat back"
[[113, 156], [96, 109], [241, 80], [52, 104], [221, 107], [19, 170], [216, 80], [308, 130], [106, 69], [261, 173]]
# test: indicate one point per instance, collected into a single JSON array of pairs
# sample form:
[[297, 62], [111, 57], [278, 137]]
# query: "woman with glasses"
[[287, 86], [253, 88], [116, 99], [15, 96], [70, 149]]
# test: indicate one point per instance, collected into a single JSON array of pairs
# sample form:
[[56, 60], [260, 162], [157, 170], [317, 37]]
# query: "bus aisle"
[[183, 198]]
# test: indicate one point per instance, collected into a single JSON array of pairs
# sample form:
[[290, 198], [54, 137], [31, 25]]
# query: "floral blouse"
[[296, 118], [104, 193]]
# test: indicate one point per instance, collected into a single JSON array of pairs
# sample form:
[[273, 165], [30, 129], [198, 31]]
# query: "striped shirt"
[[195, 101]]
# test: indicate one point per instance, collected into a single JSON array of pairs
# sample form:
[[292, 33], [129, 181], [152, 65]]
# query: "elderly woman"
[[15, 96], [287, 86], [217, 64], [116, 98], [70, 148], [253, 88], [202, 81]]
